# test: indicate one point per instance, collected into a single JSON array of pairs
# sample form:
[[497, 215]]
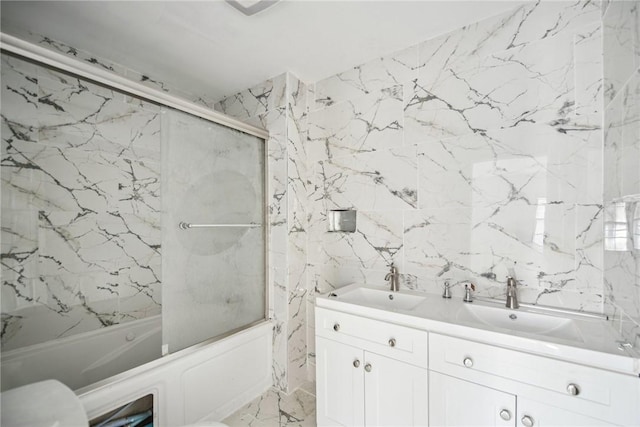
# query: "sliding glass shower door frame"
[[57, 61]]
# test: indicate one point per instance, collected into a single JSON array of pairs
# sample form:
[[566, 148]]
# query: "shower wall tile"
[[144, 78], [81, 205], [78, 54], [257, 100], [19, 245]]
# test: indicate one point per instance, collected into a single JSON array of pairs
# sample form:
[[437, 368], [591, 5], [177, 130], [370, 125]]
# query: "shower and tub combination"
[[134, 242]]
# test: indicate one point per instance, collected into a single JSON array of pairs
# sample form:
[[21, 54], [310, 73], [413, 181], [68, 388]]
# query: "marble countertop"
[[596, 346]]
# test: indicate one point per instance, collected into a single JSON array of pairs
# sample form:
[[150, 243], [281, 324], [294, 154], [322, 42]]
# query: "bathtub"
[[86, 358], [117, 365]]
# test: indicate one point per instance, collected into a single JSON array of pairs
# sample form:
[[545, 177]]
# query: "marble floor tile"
[[276, 409]]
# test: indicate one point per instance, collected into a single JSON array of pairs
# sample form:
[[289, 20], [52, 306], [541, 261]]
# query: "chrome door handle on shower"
[[185, 225]]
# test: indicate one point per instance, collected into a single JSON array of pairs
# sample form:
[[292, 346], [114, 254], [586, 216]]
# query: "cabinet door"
[[454, 402], [535, 414], [395, 393], [340, 384]]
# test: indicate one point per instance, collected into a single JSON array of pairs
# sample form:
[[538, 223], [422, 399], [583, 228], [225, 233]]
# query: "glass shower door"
[[214, 233]]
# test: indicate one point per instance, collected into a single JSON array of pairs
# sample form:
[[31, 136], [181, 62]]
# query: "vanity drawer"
[[601, 394], [395, 341]]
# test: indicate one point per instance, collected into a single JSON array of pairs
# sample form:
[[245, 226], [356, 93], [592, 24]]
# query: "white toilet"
[[49, 404]]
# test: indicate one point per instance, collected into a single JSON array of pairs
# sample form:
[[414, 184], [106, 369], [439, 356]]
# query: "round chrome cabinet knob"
[[356, 363], [392, 342], [468, 362], [367, 367], [527, 421], [336, 327], [573, 389], [505, 415]]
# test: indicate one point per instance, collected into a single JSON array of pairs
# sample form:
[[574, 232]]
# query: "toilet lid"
[[45, 404]]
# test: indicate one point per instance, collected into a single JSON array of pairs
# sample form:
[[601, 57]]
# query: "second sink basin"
[[521, 321], [379, 298]]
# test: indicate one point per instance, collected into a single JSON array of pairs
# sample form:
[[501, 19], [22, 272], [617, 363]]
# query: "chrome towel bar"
[[185, 225]]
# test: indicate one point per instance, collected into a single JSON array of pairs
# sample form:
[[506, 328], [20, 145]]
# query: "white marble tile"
[[381, 180], [376, 243], [257, 100], [481, 245], [623, 277], [589, 257], [20, 91], [622, 142], [81, 55], [621, 45], [523, 25], [276, 409], [369, 123], [81, 166], [370, 78], [436, 244], [530, 83], [297, 339], [588, 57], [19, 260], [523, 165]]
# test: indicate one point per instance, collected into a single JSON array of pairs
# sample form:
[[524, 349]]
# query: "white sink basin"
[[521, 321], [379, 298]]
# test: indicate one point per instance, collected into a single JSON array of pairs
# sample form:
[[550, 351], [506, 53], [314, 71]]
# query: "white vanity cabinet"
[[455, 402], [407, 360], [480, 384], [369, 373]]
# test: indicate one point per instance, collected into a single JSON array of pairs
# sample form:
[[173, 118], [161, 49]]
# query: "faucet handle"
[[511, 281], [467, 292], [447, 290]]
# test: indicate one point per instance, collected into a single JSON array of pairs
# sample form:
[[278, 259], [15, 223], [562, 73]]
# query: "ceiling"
[[210, 49]]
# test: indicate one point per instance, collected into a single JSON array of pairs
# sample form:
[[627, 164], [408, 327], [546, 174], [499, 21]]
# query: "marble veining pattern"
[[495, 165], [81, 206], [280, 106], [621, 42], [276, 409]]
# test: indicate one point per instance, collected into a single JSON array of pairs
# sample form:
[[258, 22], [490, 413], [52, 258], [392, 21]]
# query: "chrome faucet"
[[392, 277], [512, 293]]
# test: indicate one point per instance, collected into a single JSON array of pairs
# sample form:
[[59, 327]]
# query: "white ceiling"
[[210, 49]]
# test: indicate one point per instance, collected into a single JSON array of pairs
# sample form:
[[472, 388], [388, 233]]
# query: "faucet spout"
[[512, 294], [392, 278]]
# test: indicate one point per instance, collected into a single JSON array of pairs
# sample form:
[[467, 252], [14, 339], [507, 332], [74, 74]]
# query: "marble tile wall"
[[280, 106], [621, 30], [468, 156], [80, 206]]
